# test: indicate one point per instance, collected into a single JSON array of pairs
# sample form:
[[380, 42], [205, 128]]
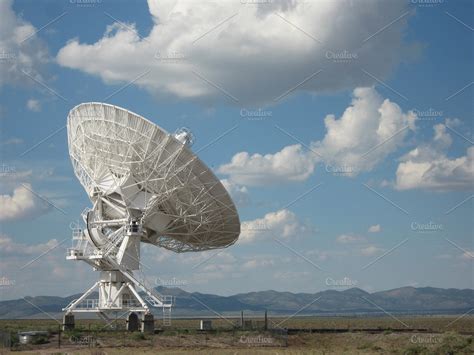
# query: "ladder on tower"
[[166, 316]]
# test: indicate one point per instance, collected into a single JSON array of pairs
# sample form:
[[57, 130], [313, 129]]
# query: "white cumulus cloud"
[[258, 263], [11, 248], [248, 53], [376, 228], [292, 163], [348, 238], [33, 105], [22, 203], [369, 130], [20, 48], [240, 194], [428, 166], [12, 141], [280, 224], [371, 250]]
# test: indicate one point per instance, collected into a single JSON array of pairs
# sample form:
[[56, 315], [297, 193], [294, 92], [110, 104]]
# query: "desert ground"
[[303, 335]]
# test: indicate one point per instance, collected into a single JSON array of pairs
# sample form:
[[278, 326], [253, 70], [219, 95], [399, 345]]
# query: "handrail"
[[94, 303]]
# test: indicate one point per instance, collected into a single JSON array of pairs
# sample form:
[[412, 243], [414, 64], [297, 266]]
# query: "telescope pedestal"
[[117, 295], [119, 290]]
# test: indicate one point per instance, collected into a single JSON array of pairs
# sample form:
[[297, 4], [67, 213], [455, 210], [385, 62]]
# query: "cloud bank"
[[370, 129], [280, 224], [21, 50], [22, 203], [290, 164], [428, 166], [248, 53]]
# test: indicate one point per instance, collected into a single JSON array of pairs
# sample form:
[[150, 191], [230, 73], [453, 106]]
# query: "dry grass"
[[444, 337]]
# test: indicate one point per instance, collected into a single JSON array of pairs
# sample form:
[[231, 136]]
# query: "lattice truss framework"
[[139, 170]]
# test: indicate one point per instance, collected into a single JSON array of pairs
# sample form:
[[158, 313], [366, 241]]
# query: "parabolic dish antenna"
[[146, 185]]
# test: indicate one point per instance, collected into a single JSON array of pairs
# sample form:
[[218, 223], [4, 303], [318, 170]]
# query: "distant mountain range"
[[423, 300]]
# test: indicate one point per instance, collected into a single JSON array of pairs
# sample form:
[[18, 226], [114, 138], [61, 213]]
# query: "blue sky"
[[396, 76]]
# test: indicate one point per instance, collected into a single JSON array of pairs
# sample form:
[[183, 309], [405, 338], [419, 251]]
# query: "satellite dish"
[[146, 185]]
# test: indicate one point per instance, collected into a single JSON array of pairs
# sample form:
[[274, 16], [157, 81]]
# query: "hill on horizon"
[[422, 300]]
